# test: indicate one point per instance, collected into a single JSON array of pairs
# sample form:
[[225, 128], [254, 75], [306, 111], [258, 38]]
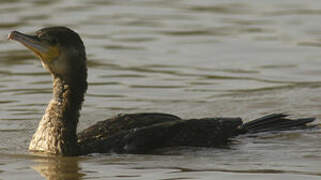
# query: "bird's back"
[[145, 132]]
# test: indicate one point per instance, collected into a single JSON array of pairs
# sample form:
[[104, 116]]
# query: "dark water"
[[191, 58]]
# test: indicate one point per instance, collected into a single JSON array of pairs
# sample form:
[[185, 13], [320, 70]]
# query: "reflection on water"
[[58, 168], [191, 58]]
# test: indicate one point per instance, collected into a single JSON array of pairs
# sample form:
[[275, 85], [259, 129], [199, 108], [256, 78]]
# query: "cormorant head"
[[60, 49]]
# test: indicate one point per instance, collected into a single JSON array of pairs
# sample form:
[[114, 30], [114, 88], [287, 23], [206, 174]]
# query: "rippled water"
[[191, 58]]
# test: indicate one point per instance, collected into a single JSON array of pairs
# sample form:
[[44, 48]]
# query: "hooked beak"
[[31, 42]]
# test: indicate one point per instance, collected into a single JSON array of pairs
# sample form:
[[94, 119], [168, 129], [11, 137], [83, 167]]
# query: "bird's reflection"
[[58, 167]]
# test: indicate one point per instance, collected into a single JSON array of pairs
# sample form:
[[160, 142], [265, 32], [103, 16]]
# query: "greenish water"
[[191, 58]]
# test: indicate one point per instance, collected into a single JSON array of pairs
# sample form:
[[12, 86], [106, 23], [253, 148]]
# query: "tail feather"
[[275, 122], [265, 120]]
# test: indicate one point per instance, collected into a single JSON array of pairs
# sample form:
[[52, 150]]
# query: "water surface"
[[191, 58]]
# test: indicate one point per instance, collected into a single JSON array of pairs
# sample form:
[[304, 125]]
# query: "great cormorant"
[[62, 53]]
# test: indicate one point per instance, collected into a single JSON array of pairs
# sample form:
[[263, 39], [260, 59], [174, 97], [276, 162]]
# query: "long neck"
[[56, 132]]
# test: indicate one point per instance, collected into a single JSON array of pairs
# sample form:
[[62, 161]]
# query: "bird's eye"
[[47, 38], [53, 41]]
